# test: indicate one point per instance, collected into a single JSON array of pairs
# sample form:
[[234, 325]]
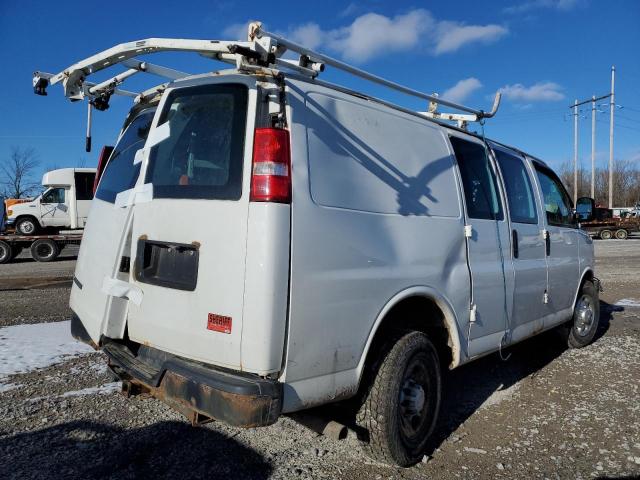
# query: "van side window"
[[84, 185], [478, 180], [120, 173], [55, 195], [522, 205], [557, 203], [203, 156]]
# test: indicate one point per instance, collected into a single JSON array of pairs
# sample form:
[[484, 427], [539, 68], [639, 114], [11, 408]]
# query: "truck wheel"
[[622, 234], [44, 250], [606, 235], [401, 407], [6, 252], [26, 226], [586, 317]]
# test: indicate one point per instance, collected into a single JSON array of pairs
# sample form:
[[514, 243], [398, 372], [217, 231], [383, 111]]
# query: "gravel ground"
[[546, 412]]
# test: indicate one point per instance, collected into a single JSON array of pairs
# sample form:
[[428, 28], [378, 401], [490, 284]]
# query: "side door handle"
[[514, 242], [547, 242]]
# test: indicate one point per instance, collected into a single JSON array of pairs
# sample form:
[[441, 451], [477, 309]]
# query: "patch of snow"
[[627, 302], [5, 387], [101, 390], [24, 348]]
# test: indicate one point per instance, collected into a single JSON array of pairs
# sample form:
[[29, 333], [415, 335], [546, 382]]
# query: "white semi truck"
[[64, 203]]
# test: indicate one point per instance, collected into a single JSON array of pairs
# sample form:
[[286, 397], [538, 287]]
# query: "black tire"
[[622, 234], [586, 317], [401, 407], [6, 252], [606, 234], [27, 226], [44, 250]]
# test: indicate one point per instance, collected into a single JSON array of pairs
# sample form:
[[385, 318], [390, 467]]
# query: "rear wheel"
[[606, 235], [401, 407], [44, 250], [6, 252], [27, 226], [586, 317], [622, 234]]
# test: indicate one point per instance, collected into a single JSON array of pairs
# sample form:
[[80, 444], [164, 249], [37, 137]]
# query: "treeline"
[[626, 183]]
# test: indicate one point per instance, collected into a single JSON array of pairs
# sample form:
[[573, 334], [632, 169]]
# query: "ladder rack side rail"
[[437, 120], [361, 73]]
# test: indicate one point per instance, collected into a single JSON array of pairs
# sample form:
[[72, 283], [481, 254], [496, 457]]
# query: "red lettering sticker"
[[219, 323]]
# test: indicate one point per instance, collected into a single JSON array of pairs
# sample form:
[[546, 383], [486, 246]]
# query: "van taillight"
[[105, 153], [271, 169]]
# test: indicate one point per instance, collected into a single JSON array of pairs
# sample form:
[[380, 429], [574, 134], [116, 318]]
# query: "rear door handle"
[[547, 243], [514, 242]]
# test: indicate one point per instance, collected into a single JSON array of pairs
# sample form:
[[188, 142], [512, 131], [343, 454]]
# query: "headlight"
[[9, 213]]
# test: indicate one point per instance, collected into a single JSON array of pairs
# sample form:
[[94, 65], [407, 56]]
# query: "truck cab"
[[64, 203]]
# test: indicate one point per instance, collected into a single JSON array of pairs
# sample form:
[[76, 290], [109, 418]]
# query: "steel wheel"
[[26, 226], [412, 400], [585, 315], [621, 234], [606, 235]]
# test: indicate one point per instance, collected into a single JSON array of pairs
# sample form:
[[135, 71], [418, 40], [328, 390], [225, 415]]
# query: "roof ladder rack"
[[261, 53]]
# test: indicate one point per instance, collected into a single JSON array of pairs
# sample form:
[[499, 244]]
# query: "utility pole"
[[593, 147], [575, 152], [594, 110], [612, 107]]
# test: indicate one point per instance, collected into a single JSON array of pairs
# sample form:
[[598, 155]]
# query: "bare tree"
[[17, 172], [626, 183]]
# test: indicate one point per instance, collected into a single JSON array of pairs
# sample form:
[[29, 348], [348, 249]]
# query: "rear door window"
[[120, 173], [478, 180], [203, 156], [522, 205]]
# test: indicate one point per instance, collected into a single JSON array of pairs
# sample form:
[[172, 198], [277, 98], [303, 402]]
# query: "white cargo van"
[[62, 205], [262, 242]]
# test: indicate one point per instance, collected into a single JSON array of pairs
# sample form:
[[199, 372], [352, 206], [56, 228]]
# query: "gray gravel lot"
[[546, 412]]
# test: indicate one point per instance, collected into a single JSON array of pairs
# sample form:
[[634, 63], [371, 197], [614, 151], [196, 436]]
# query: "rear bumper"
[[192, 388]]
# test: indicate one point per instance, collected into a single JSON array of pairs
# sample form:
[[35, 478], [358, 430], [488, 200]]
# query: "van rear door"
[[189, 241], [104, 240]]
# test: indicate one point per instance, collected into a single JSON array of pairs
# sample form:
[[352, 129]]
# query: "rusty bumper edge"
[[80, 333], [237, 399]]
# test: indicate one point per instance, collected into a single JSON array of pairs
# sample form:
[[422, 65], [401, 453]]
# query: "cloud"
[[236, 31], [539, 92], [453, 36], [461, 90], [561, 5], [373, 35]]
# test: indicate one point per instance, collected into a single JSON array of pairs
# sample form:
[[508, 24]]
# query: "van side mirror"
[[585, 209], [105, 153]]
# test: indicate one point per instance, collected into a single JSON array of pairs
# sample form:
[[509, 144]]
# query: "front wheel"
[[401, 407], [586, 317], [26, 226]]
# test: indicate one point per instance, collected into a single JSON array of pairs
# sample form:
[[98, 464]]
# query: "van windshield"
[[202, 157], [120, 173]]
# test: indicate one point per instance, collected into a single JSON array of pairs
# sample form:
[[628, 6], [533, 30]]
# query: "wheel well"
[[26, 215], [416, 313]]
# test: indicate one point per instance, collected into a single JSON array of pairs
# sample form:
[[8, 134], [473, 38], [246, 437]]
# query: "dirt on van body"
[[542, 412]]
